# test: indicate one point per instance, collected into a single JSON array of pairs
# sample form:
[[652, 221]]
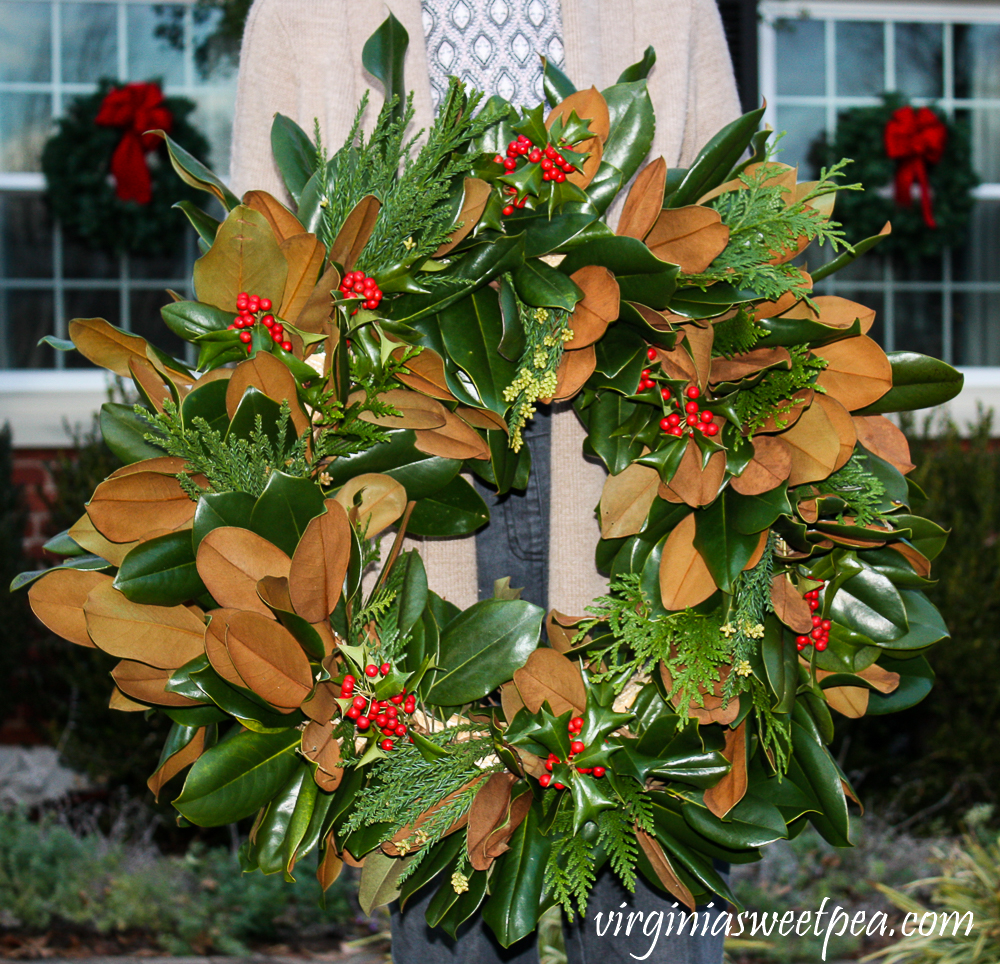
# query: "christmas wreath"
[[107, 180], [916, 165], [766, 567]]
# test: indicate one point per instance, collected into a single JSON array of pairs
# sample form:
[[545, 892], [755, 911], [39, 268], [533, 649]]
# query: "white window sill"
[[39, 403]]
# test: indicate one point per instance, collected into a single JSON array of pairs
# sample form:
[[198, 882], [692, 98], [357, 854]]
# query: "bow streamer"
[[136, 108], [915, 138]]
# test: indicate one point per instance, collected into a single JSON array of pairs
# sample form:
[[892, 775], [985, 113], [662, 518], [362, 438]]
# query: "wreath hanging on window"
[[916, 165], [108, 181]]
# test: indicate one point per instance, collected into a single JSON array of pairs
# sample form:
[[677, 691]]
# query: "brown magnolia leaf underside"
[[626, 500], [770, 466], [126, 508], [549, 677], [693, 483], [381, 502], [415, 410], [814, 445], [318, 309], [319, 565], [664, 871], [561, 630], [857, 372], [83, 533], [884, 439], [355, 232], [319, 746], [789, 606], [271, 376], [574, 370], [269, 659], [283, 223], [684, 578], [231, 560], [456, 439], [728, 792], [644, 201], [57, 599], [477, 194], [598, 307], [739, 366], [173, 765], [304, 254], [145, 683], [691, 236], [488, 811], [215, 646]]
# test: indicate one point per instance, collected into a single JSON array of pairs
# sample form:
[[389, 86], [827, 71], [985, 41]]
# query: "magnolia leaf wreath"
[[108, 182], [398, 326], [916, 165]]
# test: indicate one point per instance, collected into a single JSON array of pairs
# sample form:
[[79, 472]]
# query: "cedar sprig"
[[862, 492], [772, 396]]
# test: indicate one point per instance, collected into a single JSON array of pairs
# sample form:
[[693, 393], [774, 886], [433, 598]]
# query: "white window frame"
[[39, 403], [982, 383]]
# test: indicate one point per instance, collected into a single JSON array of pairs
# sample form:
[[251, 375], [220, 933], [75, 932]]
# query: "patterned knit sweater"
[[303, 58]]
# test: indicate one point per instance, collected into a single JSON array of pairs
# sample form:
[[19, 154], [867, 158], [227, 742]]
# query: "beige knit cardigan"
[[303, 58]]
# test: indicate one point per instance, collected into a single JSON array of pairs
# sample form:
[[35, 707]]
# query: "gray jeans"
[[619, 928]]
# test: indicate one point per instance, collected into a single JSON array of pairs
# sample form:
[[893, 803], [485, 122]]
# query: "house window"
[[820, 58], [51, 51]]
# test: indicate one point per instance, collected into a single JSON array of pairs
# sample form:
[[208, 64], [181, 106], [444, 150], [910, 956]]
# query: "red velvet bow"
[[137, 108], [915, 138]]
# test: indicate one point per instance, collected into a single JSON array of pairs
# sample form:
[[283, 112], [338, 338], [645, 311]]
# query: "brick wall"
[[31, 472]]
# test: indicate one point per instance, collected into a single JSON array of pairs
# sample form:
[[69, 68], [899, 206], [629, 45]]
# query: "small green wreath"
[[863, 213], [81, 191]]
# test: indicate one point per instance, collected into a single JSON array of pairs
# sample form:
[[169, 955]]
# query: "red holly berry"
[[665, 424], [673, 419], [286, 346], [558, 176], [545, 779], [813, 605], [386, 745], [826, 625], [816, 633], [802, 641], [352, 713], [381, 720], [509, 164], [245, 337], [821, 645], [508, 210], [706, 417], [576, 723], [559, 786], [371, 670], [691, 408], [385, 669], [692, 391], [816, 620], [577, 746], [551, 152], [549, 764], [665, 393], [652, 354], [498, 159], [363, 722], [711, 429], [265, 304], [692, 420], [599, 772], [676, 430], [535, 156]]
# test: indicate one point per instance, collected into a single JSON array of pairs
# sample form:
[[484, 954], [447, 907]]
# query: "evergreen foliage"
[[772, 396]]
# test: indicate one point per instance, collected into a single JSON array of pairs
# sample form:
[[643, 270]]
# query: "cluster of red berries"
[[357, 284], [577, 746], [694, 417], [554, 166], [252, 309], [384, 714], [820, 635]]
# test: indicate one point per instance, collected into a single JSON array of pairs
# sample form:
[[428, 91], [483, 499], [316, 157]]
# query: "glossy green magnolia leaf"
[[457, 509], [632, 127], [442, 855], [382, 56], [751, 514], [926, 626], [255, 404], [194, 716], [640, 70], [217, 509], [784, 332], [918, 381], [641, 276], [916, 680], [725, 549], [123, 431], [206, 226], [285, 823], [193, 173], [62, 545], [516, 884], [539, 285], [189, 319], [285, 508], [447, 909], [619, 357], [601, 417], [753, 822], [235, 778], [87, 562], [870, 604], [59, 344], [161, 571], [926, 537], [846, 257], [208, 401], [715, 160], [544, 235], [294, 153], [781, 664], [556, 84], [813, 771], [482, 647]]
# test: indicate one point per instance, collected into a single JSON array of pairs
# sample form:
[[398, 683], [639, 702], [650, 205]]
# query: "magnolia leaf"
[[884, 439], [920, 563], [149, 382], [481, 418], [733, 369], [789, 606], [665, 873], [510, 700], [770, 466], [561, 630], [489, 811], [304, 255], [644, 201], [590, 106], [728, 792], [119, 701], [176, 761], [283, 223], [550, 677], [166, 637], [858, 372], [355, 232], [799, 402], [574, 370], [596, 310], [215, 646], [626, 500], [319, 746], [416, 410], [391, 848], [57, 599], [453, 440], [230, 560], [698, 343], [330, 864], [269, 659], [677, 364], [851, 701], [128, 507], [382, 501], [87, 537], [692, 237], [842, 424], [685, 580], [266, 373], [477, 193], [244, 257], [695, 483], [425, 373], [322, 706], [319, 307], [105, 345], [145, 683], [814, 445], [319, 565], [713, 707], [834, 312]]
